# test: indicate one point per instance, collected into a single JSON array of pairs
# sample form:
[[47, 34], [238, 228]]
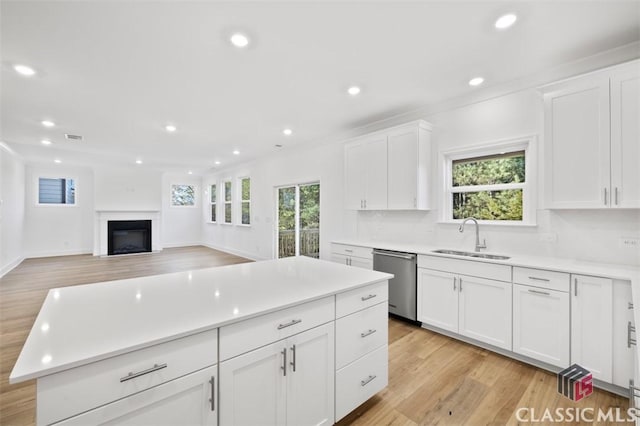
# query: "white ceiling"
[[118, 72]]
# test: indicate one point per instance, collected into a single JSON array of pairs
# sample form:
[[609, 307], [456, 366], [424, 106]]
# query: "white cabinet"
[[592, 324], [541, 324], [389, 169], [624, 335], [366, 173], [591, 140], [287, 382], [188, 400], [361, 257], [474, 307]]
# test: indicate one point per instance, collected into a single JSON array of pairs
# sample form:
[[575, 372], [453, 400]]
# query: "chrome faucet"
[[474, 220]]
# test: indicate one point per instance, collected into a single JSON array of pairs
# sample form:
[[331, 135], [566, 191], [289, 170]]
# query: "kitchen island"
[[301, 340]]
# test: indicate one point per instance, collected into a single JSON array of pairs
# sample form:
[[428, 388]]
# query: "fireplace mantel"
[[102, 217]]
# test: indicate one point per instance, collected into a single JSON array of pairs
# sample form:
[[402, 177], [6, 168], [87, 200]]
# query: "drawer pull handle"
[[133, 375], [289, 324], [371, 296], [293, 355], [284, 362], [368, 333], [539, 292], [366, 381], [539, 279], [630, 329], [212, 382], [348, 251]]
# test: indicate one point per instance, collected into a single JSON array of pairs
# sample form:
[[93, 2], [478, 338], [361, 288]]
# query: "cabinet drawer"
[[74, 391], [360, 333], [487, 270], [360, 380], [360, 298], [241, 337], [541, 278], [355, 251]]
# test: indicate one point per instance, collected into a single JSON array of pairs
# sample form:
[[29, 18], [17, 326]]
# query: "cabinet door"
[[310, 378], [485, 310], [361, 263], [625, 136], [355, 175], [623, 348], [541, 324], [438, 299], [402, 173], [252, 387], [577, 142], [375, 162], [183, 401], [591, 325]]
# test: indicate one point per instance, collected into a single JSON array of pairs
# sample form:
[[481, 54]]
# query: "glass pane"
[[213, 213], [183, 195], [227, 191], [227, 213], [309, 242], [56, 191], [70, 196], [213, 193], [488, 205], [286, 222], [246, 213], [489, 170], [246, 189]]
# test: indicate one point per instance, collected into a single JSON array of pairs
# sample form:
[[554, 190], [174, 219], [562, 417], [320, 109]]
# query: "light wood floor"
[[433, 379]]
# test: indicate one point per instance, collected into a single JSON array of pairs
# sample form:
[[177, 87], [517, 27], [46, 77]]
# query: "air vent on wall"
[[73, 137]]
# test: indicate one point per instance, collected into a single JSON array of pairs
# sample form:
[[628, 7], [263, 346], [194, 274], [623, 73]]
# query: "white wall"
[[181, 226], [12, 173], [128, 188], [58, 229]]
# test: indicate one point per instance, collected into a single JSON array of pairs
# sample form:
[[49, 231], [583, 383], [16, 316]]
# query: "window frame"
[[195, 196], [529, 186], [213, 189], [65, 205], [225, 202], [242, 201]]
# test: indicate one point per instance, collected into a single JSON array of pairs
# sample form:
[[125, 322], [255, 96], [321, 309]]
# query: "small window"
[[227, 202], [245, 184], [56, 191], [213, 203], [183, 195]]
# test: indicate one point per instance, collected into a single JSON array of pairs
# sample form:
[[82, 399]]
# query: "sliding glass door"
[[298, 220]]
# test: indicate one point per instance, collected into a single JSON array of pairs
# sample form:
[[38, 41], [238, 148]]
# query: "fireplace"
[[128, 236]]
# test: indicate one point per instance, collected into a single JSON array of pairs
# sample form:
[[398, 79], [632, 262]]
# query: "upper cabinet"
[[592, 140], [388, 170]]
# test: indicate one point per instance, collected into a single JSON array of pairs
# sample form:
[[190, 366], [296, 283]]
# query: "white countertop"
[[82, 324]]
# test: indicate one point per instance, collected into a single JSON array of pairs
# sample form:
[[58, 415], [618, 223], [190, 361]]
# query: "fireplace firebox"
[[128, 236]]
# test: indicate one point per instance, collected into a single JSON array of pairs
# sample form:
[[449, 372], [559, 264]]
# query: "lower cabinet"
[[624, 335], [188, 400], [541, 324], [287, 382]]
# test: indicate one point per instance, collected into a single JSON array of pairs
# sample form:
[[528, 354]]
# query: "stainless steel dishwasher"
[[402, 287]]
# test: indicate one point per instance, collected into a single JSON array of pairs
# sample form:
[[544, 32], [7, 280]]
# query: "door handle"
[[212, 382], [284, 362], [454, 283], [630, 329], [293, 357]]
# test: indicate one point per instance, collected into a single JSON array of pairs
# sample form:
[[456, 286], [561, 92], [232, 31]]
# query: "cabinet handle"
[[630, 329], [630, 305], [132, 375], [460, 284], [289, 324], [605, 196], [213, 393], [365, 298], [366, 381], [348, 250], [539, 279], [293, 356], [632, 394], [284, 362], [415, 203], [365, 204], [539, 292], [615, 193], [454, 283], [368, 333], [361, 204], [575, 287]]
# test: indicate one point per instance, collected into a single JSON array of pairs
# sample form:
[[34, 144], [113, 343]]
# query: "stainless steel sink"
[[472, 254]]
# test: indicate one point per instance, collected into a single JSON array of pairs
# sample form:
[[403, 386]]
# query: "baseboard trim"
[[184, 244], [58, 253], [240, 253], [10, 266]]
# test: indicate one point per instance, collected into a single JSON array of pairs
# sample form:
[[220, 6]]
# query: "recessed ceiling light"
[[47, 123], [239, 40], [217, 163], [24, 70], [138, 161], [505, 21], [45, 142], [57, 161], [236, 152], [287, 132], [189, 172], [477, 81], [353, 90], [170, 128]]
